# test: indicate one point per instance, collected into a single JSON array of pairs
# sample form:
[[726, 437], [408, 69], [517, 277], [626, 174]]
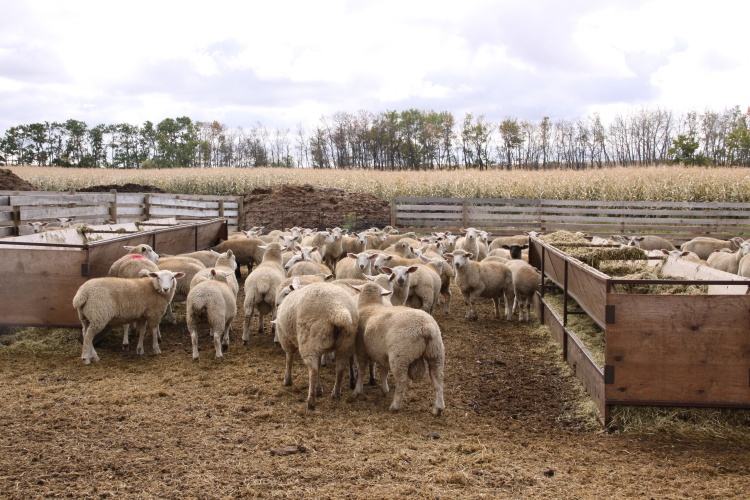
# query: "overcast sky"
[[284, 63]]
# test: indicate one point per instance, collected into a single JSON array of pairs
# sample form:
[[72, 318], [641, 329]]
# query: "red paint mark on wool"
[[136, 256]]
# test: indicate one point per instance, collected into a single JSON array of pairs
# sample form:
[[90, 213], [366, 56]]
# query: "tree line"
[[392, 140]]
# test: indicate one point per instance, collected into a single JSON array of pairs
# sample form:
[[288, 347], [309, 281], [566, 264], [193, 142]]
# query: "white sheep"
[[355, 265], [415, 286], [526, 281], [103, 301], [226, 262], [215, 301], [502, 241], [246, 252], [136, 254], [314, 320], [703, 246], [400, 340], [261, 286], [189, 267], [648, 242], [729, 261], [206, 257], [471, 243], [490, 280], [445, 271]]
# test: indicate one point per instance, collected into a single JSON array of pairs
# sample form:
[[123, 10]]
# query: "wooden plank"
[[79, 199], [129, 198], [679, 349], [681, 268], [39, 285], [34, 213], [589, 289], [162, 211], [434, 208], [604, 211], [425, 215], [177, 202], [649, 203], [427, 200], [129, 210]]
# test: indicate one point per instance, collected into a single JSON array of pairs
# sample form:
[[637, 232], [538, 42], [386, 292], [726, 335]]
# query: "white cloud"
[[293, 61]]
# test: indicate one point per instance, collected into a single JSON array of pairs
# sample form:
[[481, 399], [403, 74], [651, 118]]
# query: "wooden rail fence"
[[514, 215], [17, 208]]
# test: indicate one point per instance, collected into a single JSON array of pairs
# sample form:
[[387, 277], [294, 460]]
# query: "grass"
[[618, 183]]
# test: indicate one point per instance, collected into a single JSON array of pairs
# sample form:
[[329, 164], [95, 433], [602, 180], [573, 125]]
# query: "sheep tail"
[[80, 299]]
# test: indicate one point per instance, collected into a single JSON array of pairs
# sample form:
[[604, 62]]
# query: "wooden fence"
[[18, 208], [514, 215]]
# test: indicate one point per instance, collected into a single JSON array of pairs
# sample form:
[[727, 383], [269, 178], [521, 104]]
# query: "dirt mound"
[[309, 206], [11, 182], [123, 188]]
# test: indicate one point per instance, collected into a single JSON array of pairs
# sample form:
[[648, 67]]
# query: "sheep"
[[448, 243], [307, 267], [392, 239], [499, 252], [482, 279], [215, 301], [470, 243], [445, 271], [332, 249], [261, 286], [314, 320], [384, 259], [206, 257], [246, 252], [402, 248], [353, 244], [288, 285], [729, 261], [415, 286], [355, 265], [137, 253], [39, 227], [516, 251], [685, 255], [526, 281], [703, 246], [371, 241], [187, 265], [226, 262], [501, 241], [103, 301], [744, 267], [648, 242], [400, 340]]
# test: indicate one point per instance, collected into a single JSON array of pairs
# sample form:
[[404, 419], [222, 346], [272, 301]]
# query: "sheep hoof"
[[86, 361], [225, 347], [319, 391], [195, 358], [335, 394], [438, 412], [310, 405], [139, 351], [125, 347], [394, 408], [287, 382], [157, 350]]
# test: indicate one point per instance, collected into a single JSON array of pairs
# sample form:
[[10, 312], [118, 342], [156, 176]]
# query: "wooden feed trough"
[[661, 350], [41, 272]]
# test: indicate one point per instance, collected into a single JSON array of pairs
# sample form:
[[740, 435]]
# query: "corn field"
[[669, 183]]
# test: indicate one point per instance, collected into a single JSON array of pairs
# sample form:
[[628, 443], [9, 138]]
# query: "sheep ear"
[[386, 270], [230, 253], [424, 259], [507, 247], [469, 255], [449, 255], [523, 247], [369, 278], [328, 277], [313, 249], [391, 277], [639, 238], [351, 255], [356, 288], [153, 274], [384, 292], [684, 254], [372, 256], [412, 269], [126, 247], [213, 271], [263, 247], [178, 275], [143, 272], [665, 252]]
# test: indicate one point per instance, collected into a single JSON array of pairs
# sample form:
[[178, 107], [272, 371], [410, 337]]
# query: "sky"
[[284, 63]]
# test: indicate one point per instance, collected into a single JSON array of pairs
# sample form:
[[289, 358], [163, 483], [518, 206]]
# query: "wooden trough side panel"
[[576, 356], [38, 285], [681, 350], [102, 255]]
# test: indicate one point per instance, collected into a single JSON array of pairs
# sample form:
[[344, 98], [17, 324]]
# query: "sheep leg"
[[313, 367], [194, 339], [353, 373], [447, 302], [401, 374], [88, 354], [496, 302], [510, 296], [436, 375], [383, 375], [141, 334], [288, 369], [261, 326], [246, 324], [126, 336], [471, 314], [155, 338], [341, 364], [371, 369], [225, 340], [169, 316], [217, 343]]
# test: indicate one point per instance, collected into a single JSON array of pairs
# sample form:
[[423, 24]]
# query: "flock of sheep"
[[366, 299]]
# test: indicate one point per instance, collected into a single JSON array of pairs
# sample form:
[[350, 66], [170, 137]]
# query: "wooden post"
[[394, 218], [221, 208], [113, 206], [465, 214], [17, 220], [240, 213], [146, 206]]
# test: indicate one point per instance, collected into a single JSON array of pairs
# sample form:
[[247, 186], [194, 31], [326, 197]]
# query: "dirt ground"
[[128, 187], [306, 205], [11, 182], [516, 425]]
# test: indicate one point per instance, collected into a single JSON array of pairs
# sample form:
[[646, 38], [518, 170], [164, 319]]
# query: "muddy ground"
[[128, 187], [517, 425], [306, 205], [11, 182]]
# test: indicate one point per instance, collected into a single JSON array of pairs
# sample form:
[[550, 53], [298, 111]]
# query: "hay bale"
[[564, 237]]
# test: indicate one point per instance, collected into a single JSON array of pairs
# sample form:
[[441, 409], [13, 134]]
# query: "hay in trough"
[[582, 325], [564, 237]]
